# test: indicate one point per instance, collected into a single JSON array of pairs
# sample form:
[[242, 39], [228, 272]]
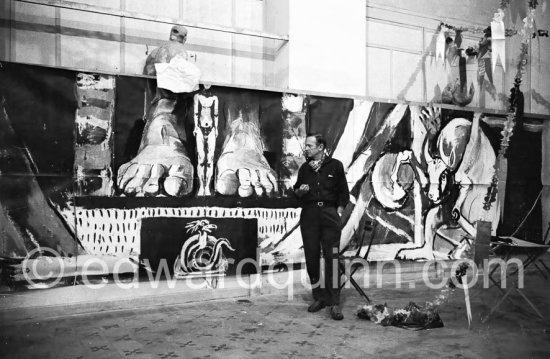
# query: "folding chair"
[[369, 226], [528, 253], [539, 261]]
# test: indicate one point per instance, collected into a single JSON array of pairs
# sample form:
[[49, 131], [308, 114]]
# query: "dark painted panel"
[[328, 116], [164, 238], [41, 105]]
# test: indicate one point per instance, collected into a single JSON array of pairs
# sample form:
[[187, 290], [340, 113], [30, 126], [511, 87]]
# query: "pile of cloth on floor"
[[413, 316]]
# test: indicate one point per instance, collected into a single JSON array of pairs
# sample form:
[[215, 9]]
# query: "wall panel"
[[34, 47], [168, 8], [379, 73], [394, 35], [407, 85]]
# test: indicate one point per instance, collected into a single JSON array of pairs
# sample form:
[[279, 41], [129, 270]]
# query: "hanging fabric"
[[440, 44], [498, 41]]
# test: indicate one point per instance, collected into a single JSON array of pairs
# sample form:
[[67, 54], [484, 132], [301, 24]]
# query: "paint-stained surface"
[[419, 176], [37, 108], [118, 231], [294, 135], [28, 220], [94, 128]]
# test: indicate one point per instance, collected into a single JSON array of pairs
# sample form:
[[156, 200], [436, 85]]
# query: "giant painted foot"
[[156, 168], [162, 165], [162, 162], [242, 167]]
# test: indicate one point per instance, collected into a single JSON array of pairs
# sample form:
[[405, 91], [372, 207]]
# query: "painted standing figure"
[[206, 131]]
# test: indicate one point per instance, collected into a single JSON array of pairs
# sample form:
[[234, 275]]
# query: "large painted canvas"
[[89, 161]]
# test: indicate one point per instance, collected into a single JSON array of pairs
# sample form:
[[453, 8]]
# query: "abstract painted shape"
[[391, 179], [363, 163], [94, 127], [192, 246], [466, 157], [352, 134], [294, 136], [27, 220], [202, 253]]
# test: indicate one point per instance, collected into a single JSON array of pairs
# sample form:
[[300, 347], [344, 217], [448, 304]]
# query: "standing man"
[[323, 191]]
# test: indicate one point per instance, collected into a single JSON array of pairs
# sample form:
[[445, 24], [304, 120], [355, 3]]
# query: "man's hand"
[[302, 190]]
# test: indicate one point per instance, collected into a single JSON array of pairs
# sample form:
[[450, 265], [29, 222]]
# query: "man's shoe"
[[336, 312], [316, 306]]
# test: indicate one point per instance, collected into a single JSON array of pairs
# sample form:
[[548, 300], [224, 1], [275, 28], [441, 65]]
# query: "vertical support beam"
[[394, 95], [233, 40], [5, 38], [267, 70], [424, 81], [122, 65], [57, 36], [11, 40], [276, 19]]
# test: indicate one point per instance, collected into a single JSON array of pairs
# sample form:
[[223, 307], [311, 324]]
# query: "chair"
[[539, 261], [342, 258], [528, 253]]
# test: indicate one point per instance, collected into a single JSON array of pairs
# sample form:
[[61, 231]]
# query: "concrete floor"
[[271, 326]]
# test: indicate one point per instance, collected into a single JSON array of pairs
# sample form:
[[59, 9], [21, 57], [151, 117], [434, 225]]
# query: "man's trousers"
[[321, 230]]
